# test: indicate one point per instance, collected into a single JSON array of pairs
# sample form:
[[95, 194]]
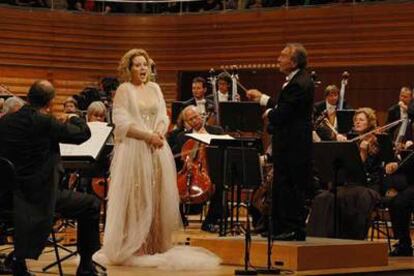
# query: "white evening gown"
[[143, 201]]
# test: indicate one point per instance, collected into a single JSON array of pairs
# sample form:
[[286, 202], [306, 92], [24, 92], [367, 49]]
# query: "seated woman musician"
[[355, 202]]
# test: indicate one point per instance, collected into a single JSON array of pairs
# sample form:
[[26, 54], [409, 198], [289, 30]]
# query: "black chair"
[[380, 219]]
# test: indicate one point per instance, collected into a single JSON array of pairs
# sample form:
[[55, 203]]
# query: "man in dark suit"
[[290, 123], [328, 109], [30, 139], [204, 105], [193, 119], [401, 110], [400, 192]]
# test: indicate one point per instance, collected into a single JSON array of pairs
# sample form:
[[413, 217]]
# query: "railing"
[[176, 6]]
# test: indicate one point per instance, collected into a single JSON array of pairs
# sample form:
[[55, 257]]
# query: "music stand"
[[338, 162], [235, 160], [345, 120], [385, 144], [241, 116], [176, 108]]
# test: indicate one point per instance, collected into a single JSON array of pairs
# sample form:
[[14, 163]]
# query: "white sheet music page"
[[100, 132], [206, 137]]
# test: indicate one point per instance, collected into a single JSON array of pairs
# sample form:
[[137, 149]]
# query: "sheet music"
[[100, 132], [206, 137]]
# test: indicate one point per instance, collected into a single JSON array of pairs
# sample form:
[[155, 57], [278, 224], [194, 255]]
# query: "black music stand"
[[338, 162], [236, 160], [345, 120], [176, 108], [385, 144], [241, 116]]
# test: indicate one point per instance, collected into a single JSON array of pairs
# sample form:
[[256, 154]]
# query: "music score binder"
[[89, 150]]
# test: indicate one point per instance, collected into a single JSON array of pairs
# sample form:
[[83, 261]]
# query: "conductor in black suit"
[[30, 139], [290, 123]]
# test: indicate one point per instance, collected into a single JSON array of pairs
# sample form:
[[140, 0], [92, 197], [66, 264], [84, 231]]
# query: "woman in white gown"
[[143, 201]]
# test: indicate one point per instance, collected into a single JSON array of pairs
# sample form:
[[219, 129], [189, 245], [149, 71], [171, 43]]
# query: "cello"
[[194, 184]]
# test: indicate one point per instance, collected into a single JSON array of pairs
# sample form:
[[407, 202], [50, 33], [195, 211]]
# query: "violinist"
[[192, 118], [203, 104], [355, 202]]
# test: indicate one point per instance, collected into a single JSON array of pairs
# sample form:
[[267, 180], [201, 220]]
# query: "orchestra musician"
[[70, 106], [355, 202], [401, 110], [327, 108], [193, 119], [203, 104], [400, 184], [290, 123], [223, 87], [11, 105], [400, 193], [30, 138]]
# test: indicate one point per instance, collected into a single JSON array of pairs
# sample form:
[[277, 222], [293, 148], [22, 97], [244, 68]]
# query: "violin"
[[194, 184]]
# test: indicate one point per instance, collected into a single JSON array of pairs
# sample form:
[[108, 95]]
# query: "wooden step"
[[312, 254]]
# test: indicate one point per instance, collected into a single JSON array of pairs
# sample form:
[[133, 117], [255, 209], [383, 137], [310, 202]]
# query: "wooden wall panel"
[[373, 41]]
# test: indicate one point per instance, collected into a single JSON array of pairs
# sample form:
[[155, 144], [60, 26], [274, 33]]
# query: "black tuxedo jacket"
[[209, 103], [394, 115], [290, 120], [30, 140]]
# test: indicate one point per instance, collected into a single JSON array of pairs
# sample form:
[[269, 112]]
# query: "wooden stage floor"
[[395, 265]]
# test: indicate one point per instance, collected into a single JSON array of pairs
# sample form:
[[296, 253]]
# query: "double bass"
[[194, 184]]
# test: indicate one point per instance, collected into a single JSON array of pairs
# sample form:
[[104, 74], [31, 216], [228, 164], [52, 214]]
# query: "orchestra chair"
[[380, 220]]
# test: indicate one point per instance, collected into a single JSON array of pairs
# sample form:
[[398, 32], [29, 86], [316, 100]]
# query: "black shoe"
[[400, 251], [94, 271], [290, 236], [18, 267], [259, 230], [209, 227], [4, 269]]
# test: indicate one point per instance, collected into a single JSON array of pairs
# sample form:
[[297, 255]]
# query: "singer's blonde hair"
[[124, 68]]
